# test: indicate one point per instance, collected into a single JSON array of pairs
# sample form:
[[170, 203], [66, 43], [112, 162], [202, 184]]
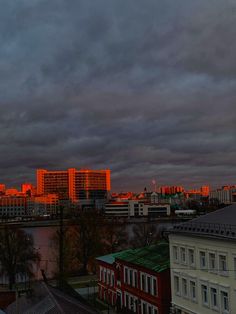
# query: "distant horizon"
[[116, 187]]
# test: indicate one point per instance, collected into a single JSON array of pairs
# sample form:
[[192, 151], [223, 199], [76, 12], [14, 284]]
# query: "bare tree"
[[144, 234], [114, 236], [88, 238], [17, 254]]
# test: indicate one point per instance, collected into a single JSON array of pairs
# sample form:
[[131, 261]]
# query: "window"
[[108, 277], [126, 300], [143, 282], [104, 275], [149, 284], [126, 275], [214, 298], [204, 295], [183, 255], [131, 277], [176, 285], [149, 309], [192, 285], [222, 265], [144, 308], [135, 279], [154, 286], [235, 267], [191, 257], [212, 261], [203, 264], [224, 302], [131, 303], [101, 273], [184, 287], [175, 254], [112, 279]]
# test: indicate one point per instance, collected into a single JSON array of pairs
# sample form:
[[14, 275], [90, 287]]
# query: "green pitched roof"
[[154, 257], [109, 259]]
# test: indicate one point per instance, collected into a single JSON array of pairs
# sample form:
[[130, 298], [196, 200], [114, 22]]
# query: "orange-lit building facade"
[[28, 188], [73, 184]]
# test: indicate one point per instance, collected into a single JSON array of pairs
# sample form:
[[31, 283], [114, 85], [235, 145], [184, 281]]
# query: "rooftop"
[[109, 259], [221, 223], [48, 300], [154, 257]]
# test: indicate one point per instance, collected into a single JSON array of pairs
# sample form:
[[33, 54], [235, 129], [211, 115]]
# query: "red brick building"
[[136, 280]]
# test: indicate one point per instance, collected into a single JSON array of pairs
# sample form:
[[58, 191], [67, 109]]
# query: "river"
[[43, 243]]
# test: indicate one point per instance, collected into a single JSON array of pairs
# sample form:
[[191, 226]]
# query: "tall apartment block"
[[74, 185]]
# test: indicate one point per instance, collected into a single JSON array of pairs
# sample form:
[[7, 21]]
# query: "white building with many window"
[[203, 264]]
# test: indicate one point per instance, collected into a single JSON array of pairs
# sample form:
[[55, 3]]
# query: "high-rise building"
[[74, 185]]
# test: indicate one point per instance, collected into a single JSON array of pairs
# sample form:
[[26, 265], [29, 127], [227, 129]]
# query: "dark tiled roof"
[[48, 300], [220, 223]]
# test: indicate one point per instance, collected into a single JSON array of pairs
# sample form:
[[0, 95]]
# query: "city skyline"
[[100, 174], [147, 91]]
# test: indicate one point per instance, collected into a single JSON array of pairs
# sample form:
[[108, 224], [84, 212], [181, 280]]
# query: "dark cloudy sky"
[[144, 87]]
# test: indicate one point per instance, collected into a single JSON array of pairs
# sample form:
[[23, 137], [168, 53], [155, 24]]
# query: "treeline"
[[75, 246], [91, 235]]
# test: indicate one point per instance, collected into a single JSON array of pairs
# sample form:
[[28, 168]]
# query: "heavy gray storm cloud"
[[145, 88]]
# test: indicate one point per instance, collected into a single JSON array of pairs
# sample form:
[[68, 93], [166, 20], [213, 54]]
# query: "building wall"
[[191, 267], [43, 205], [107, 279], [140, 296], [131, 284], [74, 184], [136, 208], [13, 206], [226, 196]]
